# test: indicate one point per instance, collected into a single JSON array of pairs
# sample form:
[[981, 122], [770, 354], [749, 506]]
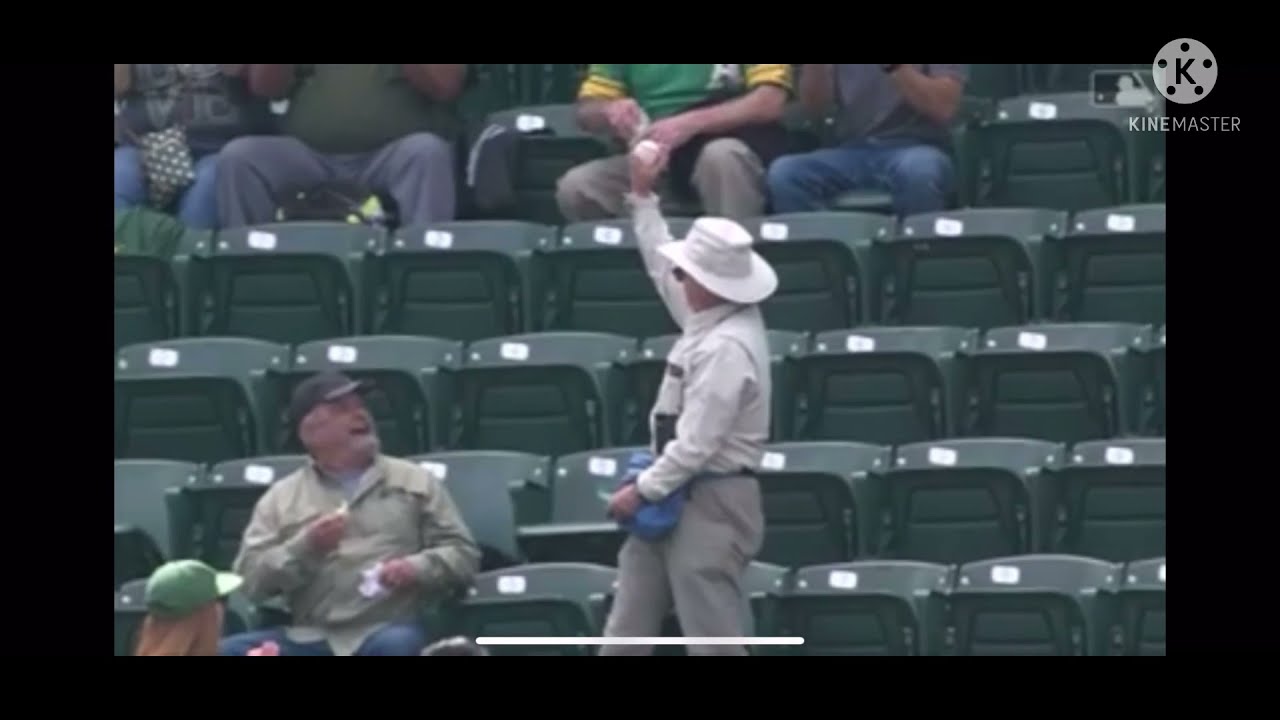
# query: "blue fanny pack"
[[655, 520]]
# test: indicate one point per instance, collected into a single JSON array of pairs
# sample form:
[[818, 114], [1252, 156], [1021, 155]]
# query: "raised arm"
[[651, 233]]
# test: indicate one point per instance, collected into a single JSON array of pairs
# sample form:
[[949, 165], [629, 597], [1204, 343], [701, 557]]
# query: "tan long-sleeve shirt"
[[399, 510], [717, 379]]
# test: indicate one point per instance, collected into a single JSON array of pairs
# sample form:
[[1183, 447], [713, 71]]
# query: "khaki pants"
[[698, 568], [728, 177]]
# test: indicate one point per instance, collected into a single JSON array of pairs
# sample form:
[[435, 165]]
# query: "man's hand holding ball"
[[648, 160]]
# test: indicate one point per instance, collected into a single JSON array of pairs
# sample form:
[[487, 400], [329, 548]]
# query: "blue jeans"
[[198, 205], [919, 176], [390, 640]]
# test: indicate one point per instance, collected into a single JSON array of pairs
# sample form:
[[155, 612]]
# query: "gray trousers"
[[728, 177], [698, 569], [256, 172]]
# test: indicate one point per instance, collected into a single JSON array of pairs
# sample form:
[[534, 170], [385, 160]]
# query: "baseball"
[[646, 150]]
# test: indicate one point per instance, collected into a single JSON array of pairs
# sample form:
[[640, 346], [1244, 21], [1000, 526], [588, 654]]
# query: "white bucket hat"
[[717, 253]]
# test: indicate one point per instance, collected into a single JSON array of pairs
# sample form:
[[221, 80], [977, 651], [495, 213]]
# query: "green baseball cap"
[[183, 586]]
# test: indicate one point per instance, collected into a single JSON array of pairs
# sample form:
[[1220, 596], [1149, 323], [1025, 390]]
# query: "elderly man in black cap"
[[354, 541]]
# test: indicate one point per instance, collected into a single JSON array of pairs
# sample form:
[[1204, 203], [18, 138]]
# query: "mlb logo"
[[1121, 88]]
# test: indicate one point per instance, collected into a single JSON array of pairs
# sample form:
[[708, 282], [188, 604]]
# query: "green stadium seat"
[[886, 385], [1141, 608], [209, 516], [580, 530], [537, 600], [551, 144], [1112, 266], [482, 483], [871, 607], [262, 470], [540, 393], [193, 399], [462, 281], [813, 500], [959, 500], [150, 301], [409, 401], [595, 281], [1066, 383], [146, 300], [765, 585], [528, 477], [1056, 150], [1155, 423], [640, 377], [287, 282], [140, 487], [823, 261], [131, 611], [967, 268], [1032, 605], [136, 554], [1107, 500], [863, 201]]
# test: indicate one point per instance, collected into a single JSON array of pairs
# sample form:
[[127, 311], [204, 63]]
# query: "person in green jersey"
[[719, 125], [390, 128]]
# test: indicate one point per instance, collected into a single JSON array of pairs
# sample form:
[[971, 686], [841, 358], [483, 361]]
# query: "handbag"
[[167, 162]]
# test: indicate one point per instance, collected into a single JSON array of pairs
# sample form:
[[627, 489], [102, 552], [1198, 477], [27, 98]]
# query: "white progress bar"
[[639, 641]]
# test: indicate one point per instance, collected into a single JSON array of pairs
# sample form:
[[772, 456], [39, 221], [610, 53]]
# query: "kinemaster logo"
[[1183, 72]]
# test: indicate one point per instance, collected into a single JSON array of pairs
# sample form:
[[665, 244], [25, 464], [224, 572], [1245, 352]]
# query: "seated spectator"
[[721, 131], [184, 609], [211, 102], [894, 127], [389, 128], [356, 542], [455, 646]]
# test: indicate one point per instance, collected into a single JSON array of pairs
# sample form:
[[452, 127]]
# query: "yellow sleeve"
[[604, 82], [780, 75]]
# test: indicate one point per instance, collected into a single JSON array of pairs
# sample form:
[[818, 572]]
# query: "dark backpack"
[[340, 202]]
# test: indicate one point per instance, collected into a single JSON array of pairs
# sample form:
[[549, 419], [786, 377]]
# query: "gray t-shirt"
[[214, 108], [871, 107]]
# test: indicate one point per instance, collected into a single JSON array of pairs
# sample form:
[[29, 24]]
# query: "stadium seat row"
[[212, 399], [1021, 605], [948, 501], [299, 282]]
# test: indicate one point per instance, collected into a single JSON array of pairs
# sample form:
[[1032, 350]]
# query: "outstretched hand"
[[648, 159]]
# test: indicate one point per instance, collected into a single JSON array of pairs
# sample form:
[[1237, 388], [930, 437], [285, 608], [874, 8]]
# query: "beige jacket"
[[717, 377], [398, 510]]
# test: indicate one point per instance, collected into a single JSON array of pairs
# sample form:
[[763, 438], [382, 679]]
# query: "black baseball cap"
[[321, 388]]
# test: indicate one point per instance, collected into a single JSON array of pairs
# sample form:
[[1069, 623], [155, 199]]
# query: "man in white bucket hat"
[[709, 424]]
